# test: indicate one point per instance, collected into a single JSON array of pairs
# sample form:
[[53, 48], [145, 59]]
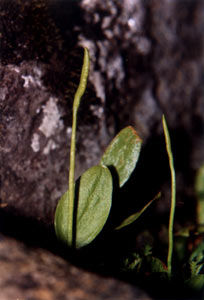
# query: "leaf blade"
[[95, 199], [132, 218], [123, 153], [61, 218], [93, 207]]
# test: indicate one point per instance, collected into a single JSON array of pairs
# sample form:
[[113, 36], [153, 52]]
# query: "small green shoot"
[[173, 196]]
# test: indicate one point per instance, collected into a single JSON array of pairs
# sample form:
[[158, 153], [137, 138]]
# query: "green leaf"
[[95, 199], [61, 218], [132, 263], [199, 187], [156, 265], [135, 216], [123, 153], [198, 252], [93, 207], [196, 260], [196, 282]]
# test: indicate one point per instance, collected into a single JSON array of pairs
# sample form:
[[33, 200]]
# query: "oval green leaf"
[[95, 199], [92, 207], [123, 153]]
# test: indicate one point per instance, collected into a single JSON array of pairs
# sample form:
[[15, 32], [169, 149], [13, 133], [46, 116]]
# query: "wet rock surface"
[[146, 59]]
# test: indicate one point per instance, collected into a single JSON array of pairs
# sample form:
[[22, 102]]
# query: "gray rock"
[[38, 82], [149, 58], [35, 140]]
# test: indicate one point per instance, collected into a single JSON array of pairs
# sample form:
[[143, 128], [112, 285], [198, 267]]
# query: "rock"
[[147, 54], [37, 274], [35, 140], [38, 82]]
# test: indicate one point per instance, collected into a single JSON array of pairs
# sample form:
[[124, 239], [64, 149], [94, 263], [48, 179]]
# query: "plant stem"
[[173, 195], [79, 93]]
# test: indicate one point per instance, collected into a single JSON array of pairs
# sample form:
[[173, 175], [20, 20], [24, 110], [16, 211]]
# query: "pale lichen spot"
[[51, 120], [50, 146], [14, 68], [69, 131], [33, 79], [35, 143]]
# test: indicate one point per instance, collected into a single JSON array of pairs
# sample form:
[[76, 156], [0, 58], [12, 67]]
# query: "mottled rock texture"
[[38, 81], [35, 134], [147, 58], [40, 275]]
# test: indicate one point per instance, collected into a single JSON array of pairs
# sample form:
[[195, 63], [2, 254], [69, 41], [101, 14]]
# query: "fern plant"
[[84, 208]]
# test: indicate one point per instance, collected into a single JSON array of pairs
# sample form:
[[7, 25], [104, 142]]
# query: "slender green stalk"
[[79, 93], [173, 195]]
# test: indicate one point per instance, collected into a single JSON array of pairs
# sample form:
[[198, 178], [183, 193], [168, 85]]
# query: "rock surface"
[[34, 273], [35, 140]]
